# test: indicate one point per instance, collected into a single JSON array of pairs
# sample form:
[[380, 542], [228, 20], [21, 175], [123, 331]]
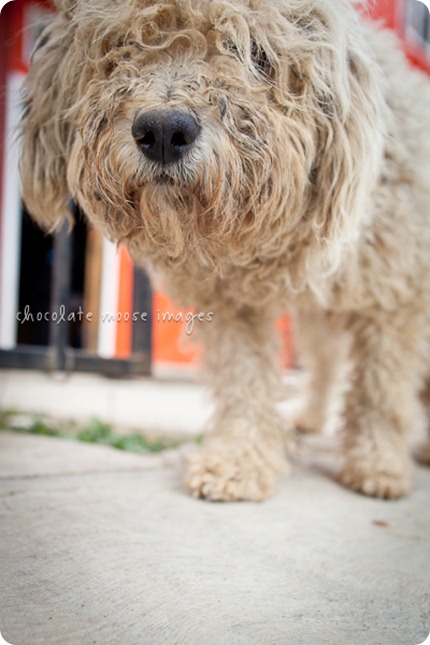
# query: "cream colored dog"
[[258, 155]]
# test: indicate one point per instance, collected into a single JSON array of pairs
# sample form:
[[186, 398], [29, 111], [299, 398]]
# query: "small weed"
[[93, 432], [138, 443], [27, 424]]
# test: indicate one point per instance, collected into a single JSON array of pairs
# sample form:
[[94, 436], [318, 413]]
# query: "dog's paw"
[[230, 470], [384, 482]]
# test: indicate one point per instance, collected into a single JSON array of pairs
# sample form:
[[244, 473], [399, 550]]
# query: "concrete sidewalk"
[[103, 547], [163, 405]]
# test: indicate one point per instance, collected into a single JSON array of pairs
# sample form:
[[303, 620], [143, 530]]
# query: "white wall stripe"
[[11, 216], [109, 300]]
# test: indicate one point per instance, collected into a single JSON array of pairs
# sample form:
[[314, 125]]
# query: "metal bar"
[[142, 327], [20, 358], [37, 358], [60, 298]]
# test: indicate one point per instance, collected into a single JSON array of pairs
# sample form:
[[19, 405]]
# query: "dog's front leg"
[[244, 450], [382, 404]]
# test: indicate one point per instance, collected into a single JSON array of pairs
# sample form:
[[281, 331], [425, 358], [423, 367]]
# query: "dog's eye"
[[260, 59], [109, 67], [258, 56]]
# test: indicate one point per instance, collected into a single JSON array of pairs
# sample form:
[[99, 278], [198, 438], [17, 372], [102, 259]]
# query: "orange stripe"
[[169, 340], [170, 343]]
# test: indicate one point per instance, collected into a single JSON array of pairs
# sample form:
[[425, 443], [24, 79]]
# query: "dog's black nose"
[[165, 136]]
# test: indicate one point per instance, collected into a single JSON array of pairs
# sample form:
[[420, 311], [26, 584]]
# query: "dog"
[[256, 157]]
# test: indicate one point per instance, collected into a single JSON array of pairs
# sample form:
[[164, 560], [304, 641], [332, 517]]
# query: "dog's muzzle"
[[164, 136]]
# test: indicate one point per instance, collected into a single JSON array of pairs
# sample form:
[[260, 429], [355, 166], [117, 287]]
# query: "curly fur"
[[307, 189]]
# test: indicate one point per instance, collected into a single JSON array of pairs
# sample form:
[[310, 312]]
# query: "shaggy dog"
[[257, 156]]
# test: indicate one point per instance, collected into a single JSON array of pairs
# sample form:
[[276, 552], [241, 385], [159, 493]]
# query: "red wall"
[[392, 13]]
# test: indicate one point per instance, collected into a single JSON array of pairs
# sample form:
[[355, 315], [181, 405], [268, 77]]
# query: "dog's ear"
[[46, 132], [337, 89], [350, 133]]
